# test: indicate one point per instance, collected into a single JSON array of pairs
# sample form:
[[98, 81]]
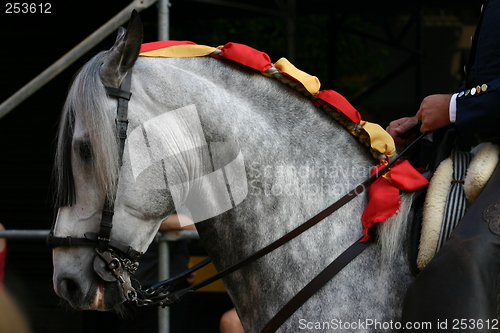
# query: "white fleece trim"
[[486, 158], [434, 207]]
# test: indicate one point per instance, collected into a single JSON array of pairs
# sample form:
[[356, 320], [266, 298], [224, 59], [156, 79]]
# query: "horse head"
[[90, 181]]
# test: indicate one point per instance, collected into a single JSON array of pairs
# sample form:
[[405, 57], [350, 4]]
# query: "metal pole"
[[164, 260], [24, 234], [169, 236], [163, 268], [73, 55], [163, 251], [419, 45], [163, 20], [291, 29], [163, 274]]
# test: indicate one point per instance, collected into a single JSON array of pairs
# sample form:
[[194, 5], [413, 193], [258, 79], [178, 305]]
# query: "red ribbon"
[[247, 56], [383, 194], [341, 103]]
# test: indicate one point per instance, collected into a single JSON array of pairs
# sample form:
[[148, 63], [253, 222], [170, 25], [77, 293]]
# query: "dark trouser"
[[458, 290]]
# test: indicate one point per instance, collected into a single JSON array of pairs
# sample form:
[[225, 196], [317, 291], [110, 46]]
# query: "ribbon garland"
[[384, 193]]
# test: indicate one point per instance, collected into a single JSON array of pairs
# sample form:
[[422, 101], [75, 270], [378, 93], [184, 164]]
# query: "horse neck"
[[223, 93], [236, 105], [277, 130], [271, 124]]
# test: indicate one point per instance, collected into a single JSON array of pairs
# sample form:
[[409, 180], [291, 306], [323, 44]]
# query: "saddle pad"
[[454, 187]]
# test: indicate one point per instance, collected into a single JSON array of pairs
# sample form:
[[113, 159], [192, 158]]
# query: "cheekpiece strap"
[[123, 95], [105, 227]]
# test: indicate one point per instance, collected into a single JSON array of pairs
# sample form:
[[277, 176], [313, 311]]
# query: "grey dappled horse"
[[197, 123]]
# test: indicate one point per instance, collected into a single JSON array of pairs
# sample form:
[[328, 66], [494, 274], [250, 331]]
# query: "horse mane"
[[86, 100]]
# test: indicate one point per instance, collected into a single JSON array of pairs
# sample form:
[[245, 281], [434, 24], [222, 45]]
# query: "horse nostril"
[[68, 289]]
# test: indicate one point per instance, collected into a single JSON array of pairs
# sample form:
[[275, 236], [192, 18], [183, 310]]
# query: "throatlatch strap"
[[68, 241]]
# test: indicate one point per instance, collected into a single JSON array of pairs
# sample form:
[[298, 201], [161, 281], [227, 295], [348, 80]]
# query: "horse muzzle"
[[85, 289], [101, 296]]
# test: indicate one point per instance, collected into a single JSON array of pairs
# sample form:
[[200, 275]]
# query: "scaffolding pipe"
[[163, 251], [73, 55], [163, 274], [168, 236], [163, 20], [24, 234], [163, 268]]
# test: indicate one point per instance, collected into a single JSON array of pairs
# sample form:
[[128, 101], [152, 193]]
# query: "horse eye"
[[85, 151]]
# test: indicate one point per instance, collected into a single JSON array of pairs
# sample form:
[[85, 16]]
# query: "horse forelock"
[[88, 104]]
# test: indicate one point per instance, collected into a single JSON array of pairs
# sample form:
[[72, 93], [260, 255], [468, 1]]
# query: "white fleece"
[[485, 159], [434, 206]]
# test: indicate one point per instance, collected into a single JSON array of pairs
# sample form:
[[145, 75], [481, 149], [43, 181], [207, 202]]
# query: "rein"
[[159, 294], [171, 298], [113, 257]]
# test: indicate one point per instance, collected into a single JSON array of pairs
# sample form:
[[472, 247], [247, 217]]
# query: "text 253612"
[[28, 8]]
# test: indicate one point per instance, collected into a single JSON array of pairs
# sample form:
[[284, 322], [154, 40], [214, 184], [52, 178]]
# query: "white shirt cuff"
[[453, 108]]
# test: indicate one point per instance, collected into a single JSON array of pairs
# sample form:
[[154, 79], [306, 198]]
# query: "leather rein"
[[113, 257]]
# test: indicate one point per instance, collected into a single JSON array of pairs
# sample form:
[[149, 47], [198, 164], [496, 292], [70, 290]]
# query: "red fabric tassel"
[[341, 103], [247, 56], [406, 177], [383, 194]]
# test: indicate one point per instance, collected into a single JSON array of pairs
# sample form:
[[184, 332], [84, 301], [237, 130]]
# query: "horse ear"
[[122, 56]]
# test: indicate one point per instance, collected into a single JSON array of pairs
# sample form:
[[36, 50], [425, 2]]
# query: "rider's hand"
[[434, 112], [398, 127]]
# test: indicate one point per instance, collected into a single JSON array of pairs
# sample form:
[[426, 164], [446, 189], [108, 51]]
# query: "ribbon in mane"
[[384, 193]]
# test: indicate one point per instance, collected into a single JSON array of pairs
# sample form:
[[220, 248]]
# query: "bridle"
[[113, 256]]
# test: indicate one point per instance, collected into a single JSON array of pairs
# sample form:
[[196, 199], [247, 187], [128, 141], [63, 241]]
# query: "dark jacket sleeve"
[[478, 113]]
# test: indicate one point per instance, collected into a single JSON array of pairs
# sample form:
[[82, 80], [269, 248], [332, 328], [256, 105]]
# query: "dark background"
[[383, 58]]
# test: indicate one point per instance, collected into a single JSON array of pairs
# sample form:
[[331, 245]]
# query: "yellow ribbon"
[[180, 51], [380, 140], [311, 83]]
